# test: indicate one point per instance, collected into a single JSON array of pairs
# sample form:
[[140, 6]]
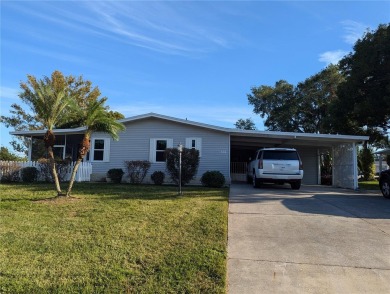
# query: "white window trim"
[[106, 150], [198, 144], [152, 148]]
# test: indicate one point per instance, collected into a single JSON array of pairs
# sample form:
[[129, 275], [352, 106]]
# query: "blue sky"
[[187, 59]]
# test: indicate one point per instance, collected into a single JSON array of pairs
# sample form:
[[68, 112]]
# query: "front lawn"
[[369, 185], [112, 239]]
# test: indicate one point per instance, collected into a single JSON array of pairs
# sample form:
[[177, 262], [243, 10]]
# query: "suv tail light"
[[260, 164], [300, 164]]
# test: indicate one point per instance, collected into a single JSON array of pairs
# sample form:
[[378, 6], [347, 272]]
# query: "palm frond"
[[98, 119]]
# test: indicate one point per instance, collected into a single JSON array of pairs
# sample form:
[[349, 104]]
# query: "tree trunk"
[[49, 140], [83, 150], [54, 170], [73, 176]]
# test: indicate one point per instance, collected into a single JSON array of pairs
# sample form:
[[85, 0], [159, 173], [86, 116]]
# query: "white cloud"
[[159, 26], [8, 93], [332, 57], [353, 31]]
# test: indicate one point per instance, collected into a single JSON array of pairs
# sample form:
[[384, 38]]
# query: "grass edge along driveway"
[[113, 239]]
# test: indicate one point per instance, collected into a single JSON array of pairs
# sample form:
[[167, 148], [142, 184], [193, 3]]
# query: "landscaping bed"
[[113, 238]]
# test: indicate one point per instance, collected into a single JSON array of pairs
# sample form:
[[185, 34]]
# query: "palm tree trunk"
[[73, 176], [54, 170], [83, 150], [49, 139]]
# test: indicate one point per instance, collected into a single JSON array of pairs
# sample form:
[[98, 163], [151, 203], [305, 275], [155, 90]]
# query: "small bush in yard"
[[189, 164], [214, 179], [63, 167], [137, 170], [115, 174], [29, 174], [9, 172], [158, 177]]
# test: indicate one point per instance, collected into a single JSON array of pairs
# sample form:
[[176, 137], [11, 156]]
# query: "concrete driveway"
[[314, 240]]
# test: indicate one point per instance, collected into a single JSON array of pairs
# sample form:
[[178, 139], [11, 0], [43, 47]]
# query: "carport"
[[342, 148]]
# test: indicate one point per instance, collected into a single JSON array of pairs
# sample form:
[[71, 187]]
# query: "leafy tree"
[[304, 108], [314, 96], [363, 106], [277, 104], [6, 155], [189, 166], [49, 99], [95, 117], [245, 124], [20, 120]]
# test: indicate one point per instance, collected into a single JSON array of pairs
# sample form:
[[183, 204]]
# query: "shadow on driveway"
[[317, 200]]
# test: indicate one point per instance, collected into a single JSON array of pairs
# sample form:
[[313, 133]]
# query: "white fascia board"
[[80, 130], [305, 136]]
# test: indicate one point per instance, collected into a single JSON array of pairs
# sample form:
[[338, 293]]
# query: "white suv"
[[276, 165]]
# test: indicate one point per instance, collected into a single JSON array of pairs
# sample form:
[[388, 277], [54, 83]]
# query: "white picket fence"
[[83, 173]]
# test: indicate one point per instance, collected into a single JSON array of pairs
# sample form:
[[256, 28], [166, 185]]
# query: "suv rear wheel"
[[296, 185], [385, 187], [255, 181]]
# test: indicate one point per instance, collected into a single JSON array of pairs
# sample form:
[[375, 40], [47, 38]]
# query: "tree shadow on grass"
[[40, 192]]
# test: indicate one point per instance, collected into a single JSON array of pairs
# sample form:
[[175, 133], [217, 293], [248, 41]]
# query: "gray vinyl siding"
[[310, 165], [134, 144]]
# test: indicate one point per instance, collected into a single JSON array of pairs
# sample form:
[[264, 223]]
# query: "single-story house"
[[224, 149]]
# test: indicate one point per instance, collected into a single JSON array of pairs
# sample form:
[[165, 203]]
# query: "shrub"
[[189, 164], [63, 167], [366, 162], [213, 179], [137, 170], [115, 174], [9, 172], [29, 174], [158, 177]]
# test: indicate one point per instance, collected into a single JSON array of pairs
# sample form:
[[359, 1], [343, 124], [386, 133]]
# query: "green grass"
[[113, 239], [369, 185]]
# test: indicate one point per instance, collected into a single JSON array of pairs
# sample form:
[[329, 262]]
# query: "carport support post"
[[333, 168], [355, 168], [318, 167], [180, 149]]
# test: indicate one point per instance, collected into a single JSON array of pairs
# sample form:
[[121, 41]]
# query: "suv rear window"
[[280, 155]]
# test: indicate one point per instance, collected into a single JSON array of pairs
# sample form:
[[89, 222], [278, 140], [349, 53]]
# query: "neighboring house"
[[224, 149], [380, 163]]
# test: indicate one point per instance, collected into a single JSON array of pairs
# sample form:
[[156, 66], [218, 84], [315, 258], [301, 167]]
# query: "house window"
[[161, 145], [100, 149], [158, 147], [194, 143], [59, 151]]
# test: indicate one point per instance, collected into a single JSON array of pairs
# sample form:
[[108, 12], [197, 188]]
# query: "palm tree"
[[96, 118], [49, 100]]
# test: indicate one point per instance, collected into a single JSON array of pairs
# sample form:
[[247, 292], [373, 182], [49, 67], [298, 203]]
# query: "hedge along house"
[[223, 149]]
